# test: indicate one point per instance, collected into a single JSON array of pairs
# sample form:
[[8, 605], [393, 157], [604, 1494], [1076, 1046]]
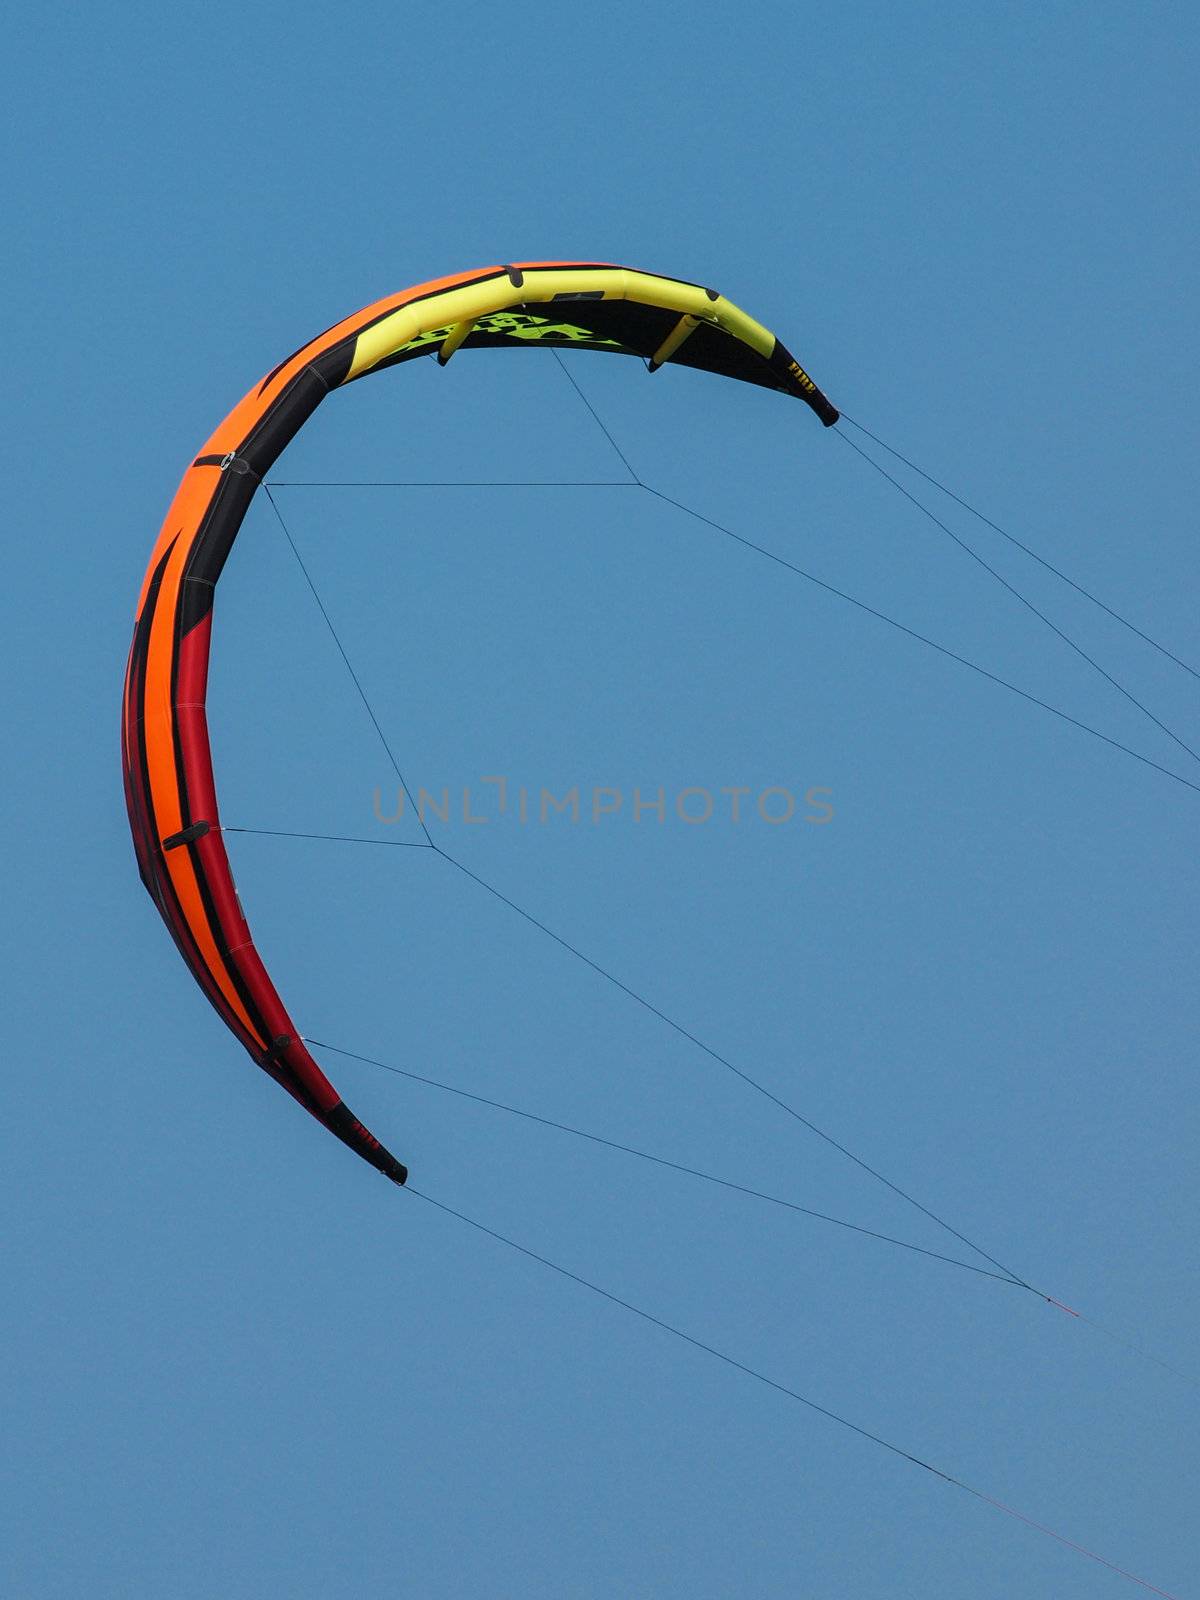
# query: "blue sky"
[[237, 1363]]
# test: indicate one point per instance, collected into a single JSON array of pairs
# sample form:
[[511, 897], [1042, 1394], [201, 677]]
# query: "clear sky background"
[[240, 1364]]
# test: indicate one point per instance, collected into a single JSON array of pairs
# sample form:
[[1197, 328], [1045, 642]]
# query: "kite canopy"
[[167, 762]]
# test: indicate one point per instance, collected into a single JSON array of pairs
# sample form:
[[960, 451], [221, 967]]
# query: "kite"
[[169, 786]]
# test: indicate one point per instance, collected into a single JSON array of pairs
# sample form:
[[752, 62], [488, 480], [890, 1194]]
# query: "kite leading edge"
[[167, 762]]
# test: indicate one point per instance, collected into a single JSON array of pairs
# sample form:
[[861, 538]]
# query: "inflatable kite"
[[167, 763]]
